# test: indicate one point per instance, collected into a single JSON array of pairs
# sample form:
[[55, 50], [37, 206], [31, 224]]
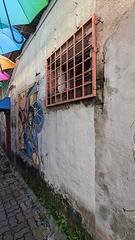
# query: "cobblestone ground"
[[20, 218]]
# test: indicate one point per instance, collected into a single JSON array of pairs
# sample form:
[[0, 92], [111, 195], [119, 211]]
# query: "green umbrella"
[[20, 12]]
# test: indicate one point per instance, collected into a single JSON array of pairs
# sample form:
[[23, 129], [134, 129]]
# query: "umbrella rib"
[[1, 68], [1, 48], [10, 23], [23, 11]]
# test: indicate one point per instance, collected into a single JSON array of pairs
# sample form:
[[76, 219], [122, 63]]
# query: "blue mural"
[[30, 115]]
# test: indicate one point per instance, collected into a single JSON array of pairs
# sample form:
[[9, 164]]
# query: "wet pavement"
[[20, 217]]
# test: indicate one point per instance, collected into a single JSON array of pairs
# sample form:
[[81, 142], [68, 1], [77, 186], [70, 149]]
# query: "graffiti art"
[[30, 122]]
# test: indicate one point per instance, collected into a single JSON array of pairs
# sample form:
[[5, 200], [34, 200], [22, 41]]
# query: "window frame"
[[58, 80]]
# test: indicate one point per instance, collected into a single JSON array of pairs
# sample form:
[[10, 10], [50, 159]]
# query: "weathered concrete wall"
[[67, 140], [115, 167], [2, 129], [83, 142], [111, 14]]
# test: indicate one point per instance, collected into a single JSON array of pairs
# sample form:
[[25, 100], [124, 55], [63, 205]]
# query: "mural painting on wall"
[[30, 120]]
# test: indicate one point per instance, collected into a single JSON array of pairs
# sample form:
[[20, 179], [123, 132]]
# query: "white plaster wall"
[[69, 153], [67, 140], [115, 166], [69, 169], [65, 17], [63, 21]]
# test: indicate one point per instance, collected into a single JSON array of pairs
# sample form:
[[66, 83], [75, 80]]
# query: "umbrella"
[[4, 76], [7, 44], [2, 25], [19, 12], [6, 63]]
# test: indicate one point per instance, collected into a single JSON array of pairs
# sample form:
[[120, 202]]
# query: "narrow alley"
[[67, 120], [20, 217]]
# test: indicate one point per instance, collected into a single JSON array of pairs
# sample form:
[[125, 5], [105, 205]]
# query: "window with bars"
[[71, 69]]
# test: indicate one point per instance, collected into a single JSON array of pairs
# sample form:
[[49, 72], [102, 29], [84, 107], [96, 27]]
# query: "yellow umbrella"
[[6, 63]]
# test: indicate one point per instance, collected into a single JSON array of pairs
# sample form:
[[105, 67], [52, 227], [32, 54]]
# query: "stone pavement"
[[20, 218]]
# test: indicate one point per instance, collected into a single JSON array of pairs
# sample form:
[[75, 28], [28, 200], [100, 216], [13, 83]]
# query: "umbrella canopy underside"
[[4, 76], [22, 11], [6, 63], [7, 44]]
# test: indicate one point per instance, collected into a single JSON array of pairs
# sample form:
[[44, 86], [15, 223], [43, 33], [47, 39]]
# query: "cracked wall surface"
[[114, 137]]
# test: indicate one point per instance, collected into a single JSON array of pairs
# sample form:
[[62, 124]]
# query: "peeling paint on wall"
[[30, 121]]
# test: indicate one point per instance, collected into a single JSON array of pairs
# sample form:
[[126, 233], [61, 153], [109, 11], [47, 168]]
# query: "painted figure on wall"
[[22, 120], [30, 124], [31, 138], [22, 107]]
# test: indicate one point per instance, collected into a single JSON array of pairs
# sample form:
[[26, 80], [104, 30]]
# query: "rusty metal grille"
[[71, 69]]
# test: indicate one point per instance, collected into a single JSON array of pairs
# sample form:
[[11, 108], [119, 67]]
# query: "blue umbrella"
[[7, 43]]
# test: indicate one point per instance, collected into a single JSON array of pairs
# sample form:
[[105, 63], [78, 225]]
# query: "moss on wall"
[[62, 209]]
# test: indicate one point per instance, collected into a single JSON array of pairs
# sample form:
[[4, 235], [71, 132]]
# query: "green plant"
[[61, 221], [15, 168], [65, 226], [77, 234], [73, 236]]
